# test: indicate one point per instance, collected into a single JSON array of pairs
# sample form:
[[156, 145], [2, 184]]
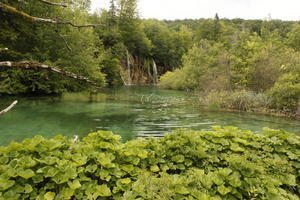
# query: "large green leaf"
[[5, 183], [28, 173], [49, 196]]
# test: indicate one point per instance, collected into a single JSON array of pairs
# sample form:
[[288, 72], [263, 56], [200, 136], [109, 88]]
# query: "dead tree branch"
[[13, 10], [53, 3], [37, 65], [65, 41], [8, 108]]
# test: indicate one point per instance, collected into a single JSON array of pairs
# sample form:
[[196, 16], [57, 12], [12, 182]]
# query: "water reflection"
[[130, 112]]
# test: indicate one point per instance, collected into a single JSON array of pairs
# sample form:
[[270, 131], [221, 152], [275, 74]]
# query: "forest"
[[235, 64], [52, 48]]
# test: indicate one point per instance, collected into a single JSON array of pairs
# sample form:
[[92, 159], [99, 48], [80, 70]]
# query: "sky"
[[195, 9]]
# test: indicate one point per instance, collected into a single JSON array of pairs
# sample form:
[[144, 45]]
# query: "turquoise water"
[[129, 111]]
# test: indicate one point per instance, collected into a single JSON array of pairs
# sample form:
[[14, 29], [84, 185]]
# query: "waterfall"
[[147, 63], [155, 79], [124, 82], [128, 68]]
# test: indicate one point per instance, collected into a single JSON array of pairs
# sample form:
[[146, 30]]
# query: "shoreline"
[[269, 112]]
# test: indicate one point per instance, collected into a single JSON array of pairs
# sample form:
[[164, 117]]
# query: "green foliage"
[[123, 32], [175, 80], [257, 62], [112, 69], [31, 81], [286, 92], [131, 28], [293, 37], [243, 60], [200, 65], [63, 46], [224, 163], [168, 46]]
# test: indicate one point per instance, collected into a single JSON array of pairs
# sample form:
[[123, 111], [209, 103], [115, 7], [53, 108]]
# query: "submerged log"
[[37, 65], [8, 108]]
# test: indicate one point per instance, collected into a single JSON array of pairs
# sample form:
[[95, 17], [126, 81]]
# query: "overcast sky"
[[246, 9]]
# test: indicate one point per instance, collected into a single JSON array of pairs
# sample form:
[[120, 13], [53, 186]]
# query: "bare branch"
[[65, 41], [36, 65], [7, 8], [53, 4], [8, 108]]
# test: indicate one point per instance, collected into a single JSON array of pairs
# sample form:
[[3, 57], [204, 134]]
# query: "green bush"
[[200, 66], [225, 163], [238, 100], [176, 80], [286, 92]]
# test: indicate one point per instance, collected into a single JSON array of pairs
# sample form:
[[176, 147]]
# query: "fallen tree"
[[8, 108], [37, 65]]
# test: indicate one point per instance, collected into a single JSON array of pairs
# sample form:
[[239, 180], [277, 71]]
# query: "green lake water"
[[128, 111]]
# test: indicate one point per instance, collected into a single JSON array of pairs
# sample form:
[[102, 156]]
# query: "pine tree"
[[112, 11], [217, 28]]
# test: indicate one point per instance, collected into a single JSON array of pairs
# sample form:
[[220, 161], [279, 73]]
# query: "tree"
[[202, 65], [168, 46], [217, 28], [293, 37], [47, 39], [113, 11]]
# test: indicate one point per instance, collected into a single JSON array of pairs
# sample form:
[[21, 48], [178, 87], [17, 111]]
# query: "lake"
[[128, 111]]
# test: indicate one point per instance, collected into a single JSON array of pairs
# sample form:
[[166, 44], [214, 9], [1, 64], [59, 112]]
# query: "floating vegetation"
[[84, 97]]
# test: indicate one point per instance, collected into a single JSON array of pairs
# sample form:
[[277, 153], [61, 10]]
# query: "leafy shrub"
[[13, 82], [286, 92], [200, 66], [176, 80], [225, 163], [238, 100]]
